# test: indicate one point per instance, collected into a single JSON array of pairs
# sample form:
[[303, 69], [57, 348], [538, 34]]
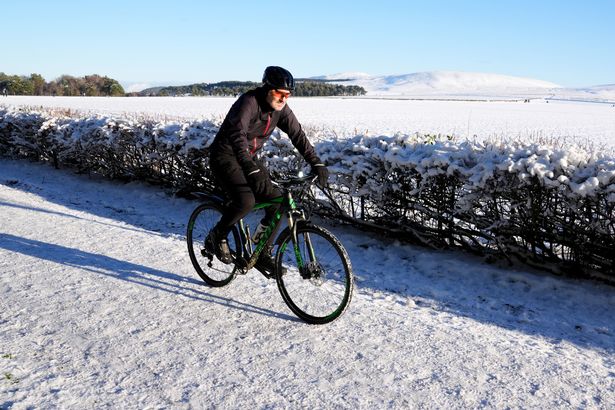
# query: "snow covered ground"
[[100, 308], [537, 120]]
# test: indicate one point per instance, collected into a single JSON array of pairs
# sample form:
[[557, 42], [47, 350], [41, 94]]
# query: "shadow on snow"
[[126, 271]]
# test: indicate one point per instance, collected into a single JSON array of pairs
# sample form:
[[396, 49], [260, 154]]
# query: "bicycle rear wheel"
[[209, 268], [320, 290]]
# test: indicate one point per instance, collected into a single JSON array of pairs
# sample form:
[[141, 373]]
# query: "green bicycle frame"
[[288, 207]]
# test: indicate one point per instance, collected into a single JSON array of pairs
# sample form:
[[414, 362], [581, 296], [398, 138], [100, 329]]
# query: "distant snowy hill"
[[444, 83], [595, 93], [460, 85]]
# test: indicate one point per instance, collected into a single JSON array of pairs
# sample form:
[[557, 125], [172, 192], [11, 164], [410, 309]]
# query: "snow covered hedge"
[[165, 153], [547, 206], [526, 201]]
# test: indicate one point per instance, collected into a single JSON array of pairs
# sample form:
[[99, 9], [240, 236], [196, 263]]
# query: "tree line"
[[230, 88], [66, 85], [96, 85]]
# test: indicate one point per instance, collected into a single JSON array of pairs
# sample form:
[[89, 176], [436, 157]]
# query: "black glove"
[[323, 174], [259, 182]]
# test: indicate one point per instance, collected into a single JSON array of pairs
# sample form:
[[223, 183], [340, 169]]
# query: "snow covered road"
[[101, 308]]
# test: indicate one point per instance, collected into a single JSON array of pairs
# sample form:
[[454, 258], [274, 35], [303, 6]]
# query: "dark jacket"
[[248, 125]]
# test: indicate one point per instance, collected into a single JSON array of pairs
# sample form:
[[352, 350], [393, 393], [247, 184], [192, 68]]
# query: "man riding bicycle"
[[235, 163]]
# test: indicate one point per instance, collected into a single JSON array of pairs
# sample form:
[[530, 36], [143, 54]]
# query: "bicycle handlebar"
[[296, 180]]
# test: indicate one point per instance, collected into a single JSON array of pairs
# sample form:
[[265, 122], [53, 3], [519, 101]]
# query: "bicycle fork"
[[304, 268]]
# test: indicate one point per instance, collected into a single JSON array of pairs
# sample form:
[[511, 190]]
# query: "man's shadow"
[[126, 271]]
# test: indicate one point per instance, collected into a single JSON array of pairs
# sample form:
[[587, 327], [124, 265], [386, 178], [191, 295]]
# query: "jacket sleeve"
[[237, 124], [290, 125]]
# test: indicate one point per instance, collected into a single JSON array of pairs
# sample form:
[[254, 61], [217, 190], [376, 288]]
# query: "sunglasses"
[[281, 94]]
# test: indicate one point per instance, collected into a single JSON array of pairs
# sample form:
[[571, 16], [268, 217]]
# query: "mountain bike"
[[312, 268]]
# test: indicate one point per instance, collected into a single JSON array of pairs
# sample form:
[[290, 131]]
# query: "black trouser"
[[230, 176]]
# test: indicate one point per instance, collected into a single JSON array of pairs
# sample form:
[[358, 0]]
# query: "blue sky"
[[569, 42]]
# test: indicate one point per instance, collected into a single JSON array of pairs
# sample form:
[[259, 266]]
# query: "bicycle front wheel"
[[317, 283], [210, 269]]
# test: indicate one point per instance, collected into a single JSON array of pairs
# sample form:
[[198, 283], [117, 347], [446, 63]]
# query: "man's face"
[[277, 98]]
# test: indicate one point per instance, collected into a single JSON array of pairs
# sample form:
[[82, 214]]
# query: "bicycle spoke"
[[320, 290], [207, 265]]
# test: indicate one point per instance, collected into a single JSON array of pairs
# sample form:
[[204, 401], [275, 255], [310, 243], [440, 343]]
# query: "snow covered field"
[[100, 308], [538, 119]]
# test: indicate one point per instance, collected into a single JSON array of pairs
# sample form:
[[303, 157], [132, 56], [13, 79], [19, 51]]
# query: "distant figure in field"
[[4, 92]]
